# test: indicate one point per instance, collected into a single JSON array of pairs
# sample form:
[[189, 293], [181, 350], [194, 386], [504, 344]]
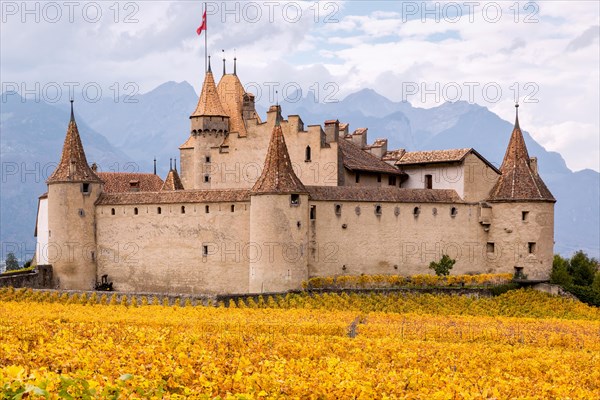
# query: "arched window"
[[183, 209], [416, 211], [307, 156], [135, 211], [453, 212], [159, 210], [112, 211]]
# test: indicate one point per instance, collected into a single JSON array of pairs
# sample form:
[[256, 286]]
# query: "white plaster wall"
[[41, 249]]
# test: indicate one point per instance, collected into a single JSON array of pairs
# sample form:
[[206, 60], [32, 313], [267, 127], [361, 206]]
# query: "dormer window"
[[134, 186], [295, 199]]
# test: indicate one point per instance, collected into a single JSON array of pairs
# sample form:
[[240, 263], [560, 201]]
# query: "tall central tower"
[[209, 127]]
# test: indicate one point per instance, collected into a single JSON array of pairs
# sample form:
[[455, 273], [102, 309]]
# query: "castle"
[[261, 206]]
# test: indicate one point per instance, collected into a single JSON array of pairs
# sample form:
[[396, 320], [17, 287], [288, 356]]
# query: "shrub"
[[560, 271], [583, 269], [443, 267]]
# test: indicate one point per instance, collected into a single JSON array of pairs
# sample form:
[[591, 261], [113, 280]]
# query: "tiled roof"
[[317, 193], [209, 103], [382, 194], [119, 182], [434, 156], [174, 197], [172, 182], [73, 166], [393, 155], [189, 143], [278, 175], [518, 181], [356, 159], [440, 156], [231, 93]]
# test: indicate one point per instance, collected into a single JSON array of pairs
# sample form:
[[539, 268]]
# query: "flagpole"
[[205, 42]]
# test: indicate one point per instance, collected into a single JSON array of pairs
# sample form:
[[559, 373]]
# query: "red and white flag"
[[203, 26]]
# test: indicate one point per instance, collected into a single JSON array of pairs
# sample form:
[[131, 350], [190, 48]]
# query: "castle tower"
[[73, 188], [209, 127], [279, 214], [521, 235]]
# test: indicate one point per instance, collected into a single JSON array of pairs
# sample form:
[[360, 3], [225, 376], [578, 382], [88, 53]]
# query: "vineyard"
[[522, 344]]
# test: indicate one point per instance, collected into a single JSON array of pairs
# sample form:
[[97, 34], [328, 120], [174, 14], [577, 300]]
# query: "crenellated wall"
[[239, 163]]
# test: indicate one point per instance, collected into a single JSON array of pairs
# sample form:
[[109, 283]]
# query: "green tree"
[[583, 269], [11, 262], [596, 284], [443, 267], [560, 271]]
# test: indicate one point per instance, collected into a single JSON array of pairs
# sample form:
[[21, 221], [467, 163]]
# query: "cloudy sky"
[[546, 54]]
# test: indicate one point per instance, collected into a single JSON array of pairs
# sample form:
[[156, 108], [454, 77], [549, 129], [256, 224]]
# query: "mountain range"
[[126, 134]]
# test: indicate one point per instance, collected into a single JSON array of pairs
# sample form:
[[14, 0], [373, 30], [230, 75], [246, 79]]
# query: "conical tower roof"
[[278, 175], [172, 181], [518, 181], [231, 93], [73, 166], [209, 103]]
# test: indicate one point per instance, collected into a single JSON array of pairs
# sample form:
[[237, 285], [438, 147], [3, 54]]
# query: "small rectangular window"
[[490, 247], [204, 250], [206, 178], [313, 213], [295, 199], [524, 216], [531, 247], [428, 182], [378, 209], [232, 208], [85, 188], [357, 177], [338, 209], [392, 180], [206, 209], [207, 159], [378, 177]]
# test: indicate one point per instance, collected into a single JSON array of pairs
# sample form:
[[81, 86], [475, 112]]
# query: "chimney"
[[359, 137], [94, 167], [533, 165], [332, 130]]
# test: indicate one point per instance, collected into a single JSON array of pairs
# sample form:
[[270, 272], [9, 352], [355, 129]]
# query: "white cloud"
[[372, 45]]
